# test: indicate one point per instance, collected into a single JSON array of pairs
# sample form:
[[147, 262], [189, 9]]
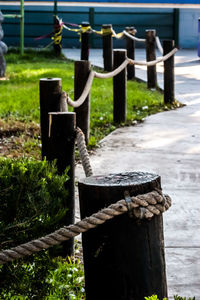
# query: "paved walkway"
[[168, 144]]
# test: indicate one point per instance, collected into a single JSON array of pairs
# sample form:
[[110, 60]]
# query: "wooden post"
[[176, 26], [62, 148], [91, 21], [119, 88], [130, 47], [50, 95], [85, 42], [57, 36], [151, 55], [82, 69], [107, 47], [168, 45], [123, 258]]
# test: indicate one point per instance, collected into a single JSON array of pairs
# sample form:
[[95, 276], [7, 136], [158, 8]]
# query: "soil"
[[19, 138]]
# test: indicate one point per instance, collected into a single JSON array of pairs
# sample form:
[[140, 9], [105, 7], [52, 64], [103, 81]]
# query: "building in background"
[[172, 19]]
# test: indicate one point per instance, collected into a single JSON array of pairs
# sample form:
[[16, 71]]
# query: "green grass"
[[19, 95]]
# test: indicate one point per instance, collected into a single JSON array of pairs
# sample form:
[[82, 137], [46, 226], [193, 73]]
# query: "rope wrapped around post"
[[80, 139], [141, 206], [93, 74], [133, 37]]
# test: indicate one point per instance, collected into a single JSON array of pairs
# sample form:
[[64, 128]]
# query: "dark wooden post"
[[107, 47], [151, 55], [119, 88], [50, 95], [123, 258], [176, 25], [62, 148], [168, 45], [57, 36], [91, 21], [130, 47], [85, 42], [82, 69]]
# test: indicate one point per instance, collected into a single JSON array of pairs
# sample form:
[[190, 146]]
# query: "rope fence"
[[142, 206], [111, 31], [94, 74], [82, 29]]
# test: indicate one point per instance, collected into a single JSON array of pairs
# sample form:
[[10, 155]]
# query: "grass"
[[19, 98]]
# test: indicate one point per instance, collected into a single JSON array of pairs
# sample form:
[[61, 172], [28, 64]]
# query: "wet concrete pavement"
[[168, 144]]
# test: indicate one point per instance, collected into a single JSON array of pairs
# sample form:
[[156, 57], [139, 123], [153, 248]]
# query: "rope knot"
[[147, 205]]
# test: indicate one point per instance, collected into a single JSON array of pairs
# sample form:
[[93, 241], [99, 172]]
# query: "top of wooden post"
[[85, 24], [121, 179], [150, 31], [50, 79], [105, 26]]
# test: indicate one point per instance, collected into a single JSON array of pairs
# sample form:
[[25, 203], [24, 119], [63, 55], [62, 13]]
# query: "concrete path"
[[168, 144]]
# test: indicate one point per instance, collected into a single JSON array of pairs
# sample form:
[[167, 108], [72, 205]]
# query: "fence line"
[[119, 35], [93, 74]]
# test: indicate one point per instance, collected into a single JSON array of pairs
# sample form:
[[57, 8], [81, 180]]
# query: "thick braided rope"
[[93, 74], [142, 206], [85, 92], [153, 62], [80, 139]]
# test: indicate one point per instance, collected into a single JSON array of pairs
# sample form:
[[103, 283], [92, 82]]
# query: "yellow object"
[[118, 35], [58, 36], [85, 29]]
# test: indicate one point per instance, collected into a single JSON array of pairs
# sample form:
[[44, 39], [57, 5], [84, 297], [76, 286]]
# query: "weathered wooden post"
[[91, 21], [169, 97], [119, 88], [151, 55], [107, 47], [58, 142], [123, 258], [82, 70], [130, 47], [85, 41], [61, 144], [50, 94]]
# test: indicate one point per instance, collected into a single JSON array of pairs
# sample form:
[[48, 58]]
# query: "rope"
[[85, 93], [150, 204], [153, 62], [158, 43], [113, 73], [133, 37], [93, 74], [80, 139], [119, 35]]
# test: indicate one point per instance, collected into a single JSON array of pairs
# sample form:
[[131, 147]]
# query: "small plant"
[[153, 297], [33, 201], [66, 281], [176, 297]]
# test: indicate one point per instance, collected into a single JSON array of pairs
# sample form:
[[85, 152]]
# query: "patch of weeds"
[[18, 138]]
